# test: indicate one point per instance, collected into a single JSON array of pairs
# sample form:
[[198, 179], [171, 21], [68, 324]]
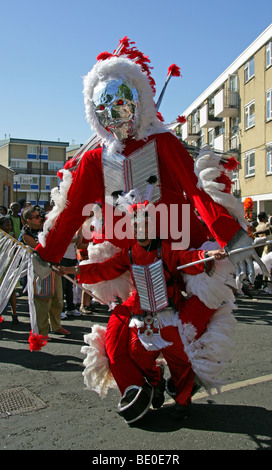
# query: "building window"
[[18, 163], [269, 159], [44, 153], [55, 165], [269, 54], [211, 137], [233, 82], [249, 69], [47, 183], [201, 141], [269, 104], [25, 179], [250, 163], [250, 115], [35, 152], [32, 152]]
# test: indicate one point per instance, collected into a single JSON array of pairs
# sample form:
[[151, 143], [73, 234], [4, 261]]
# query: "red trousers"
[[130, 362]]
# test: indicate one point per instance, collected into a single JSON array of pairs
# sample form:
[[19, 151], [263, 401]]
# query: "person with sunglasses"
[[48, 294]]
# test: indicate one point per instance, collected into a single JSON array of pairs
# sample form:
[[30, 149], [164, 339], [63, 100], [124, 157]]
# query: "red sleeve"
[[109, 269], [176, 258], [220, 223], [86, 188]]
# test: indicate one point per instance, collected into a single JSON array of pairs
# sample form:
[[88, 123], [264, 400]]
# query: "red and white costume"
[[180, 326], [181, 182], [177, 179]]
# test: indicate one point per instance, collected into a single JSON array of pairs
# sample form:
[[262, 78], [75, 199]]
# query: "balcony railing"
[[34, 171], [226, 103]]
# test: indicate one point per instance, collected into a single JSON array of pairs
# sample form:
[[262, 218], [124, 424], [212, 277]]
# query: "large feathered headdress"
[[132, 65]]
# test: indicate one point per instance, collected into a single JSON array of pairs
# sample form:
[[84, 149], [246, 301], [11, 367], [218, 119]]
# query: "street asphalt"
[[46, 406]]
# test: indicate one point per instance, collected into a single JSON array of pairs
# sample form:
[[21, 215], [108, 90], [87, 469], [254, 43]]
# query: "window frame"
[[268, 50], [248, 167], [247, 73], [247, 120], [269, 99], [269, 156]]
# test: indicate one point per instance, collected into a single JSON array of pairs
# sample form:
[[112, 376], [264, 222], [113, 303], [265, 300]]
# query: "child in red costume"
[[129, 373]]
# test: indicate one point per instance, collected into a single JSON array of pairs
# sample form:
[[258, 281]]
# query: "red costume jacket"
[[178, 186], [120, 263]]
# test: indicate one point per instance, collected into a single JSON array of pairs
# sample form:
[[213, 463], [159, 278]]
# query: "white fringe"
[[14, 265], [15, 260]]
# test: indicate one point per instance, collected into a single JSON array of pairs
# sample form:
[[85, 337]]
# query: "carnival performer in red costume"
[[136, 150], [160, 329], [119, 101]]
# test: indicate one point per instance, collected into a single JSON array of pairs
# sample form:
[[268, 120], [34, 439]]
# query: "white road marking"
[[236, 385], [233, 386]]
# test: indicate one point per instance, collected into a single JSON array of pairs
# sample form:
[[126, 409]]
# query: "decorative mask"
[[116, 105]]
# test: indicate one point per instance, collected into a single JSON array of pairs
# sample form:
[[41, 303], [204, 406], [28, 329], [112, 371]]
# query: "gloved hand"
[[243, 261]]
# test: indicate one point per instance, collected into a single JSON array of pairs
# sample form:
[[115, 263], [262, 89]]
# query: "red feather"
[[224, 179], [159, 116], [36, 341], [231, 164], [181, 119], [174, 70], [248, 204], [104, 55]]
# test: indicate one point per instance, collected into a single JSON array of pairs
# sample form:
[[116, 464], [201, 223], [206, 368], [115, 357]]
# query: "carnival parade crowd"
[[167, 298], [58, 298], [24, 221]]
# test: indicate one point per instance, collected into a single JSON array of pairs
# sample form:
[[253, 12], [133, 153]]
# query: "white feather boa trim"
[[108, 291], [267, 260], [208, 169], [59, 197], [97, 375], [211, 353], [122, 67], [216, 289]]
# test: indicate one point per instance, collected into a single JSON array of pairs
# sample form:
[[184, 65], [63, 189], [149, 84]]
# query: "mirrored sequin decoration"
[[151, 286]]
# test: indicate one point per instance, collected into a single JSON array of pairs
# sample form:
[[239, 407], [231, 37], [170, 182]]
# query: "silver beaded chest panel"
[[127, 173], [151, 286]]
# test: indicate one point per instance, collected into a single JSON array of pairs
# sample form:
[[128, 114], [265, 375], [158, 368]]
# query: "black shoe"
[[158, 397], [15, 320], [135, 402], [180, 412], [195, 388], [171, 389]]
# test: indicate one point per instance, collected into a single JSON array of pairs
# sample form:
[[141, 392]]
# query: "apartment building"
[[234, 116], [34, 164], [6, 186]]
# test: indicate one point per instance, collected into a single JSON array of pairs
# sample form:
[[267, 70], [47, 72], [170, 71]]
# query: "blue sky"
[[47, 47]]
